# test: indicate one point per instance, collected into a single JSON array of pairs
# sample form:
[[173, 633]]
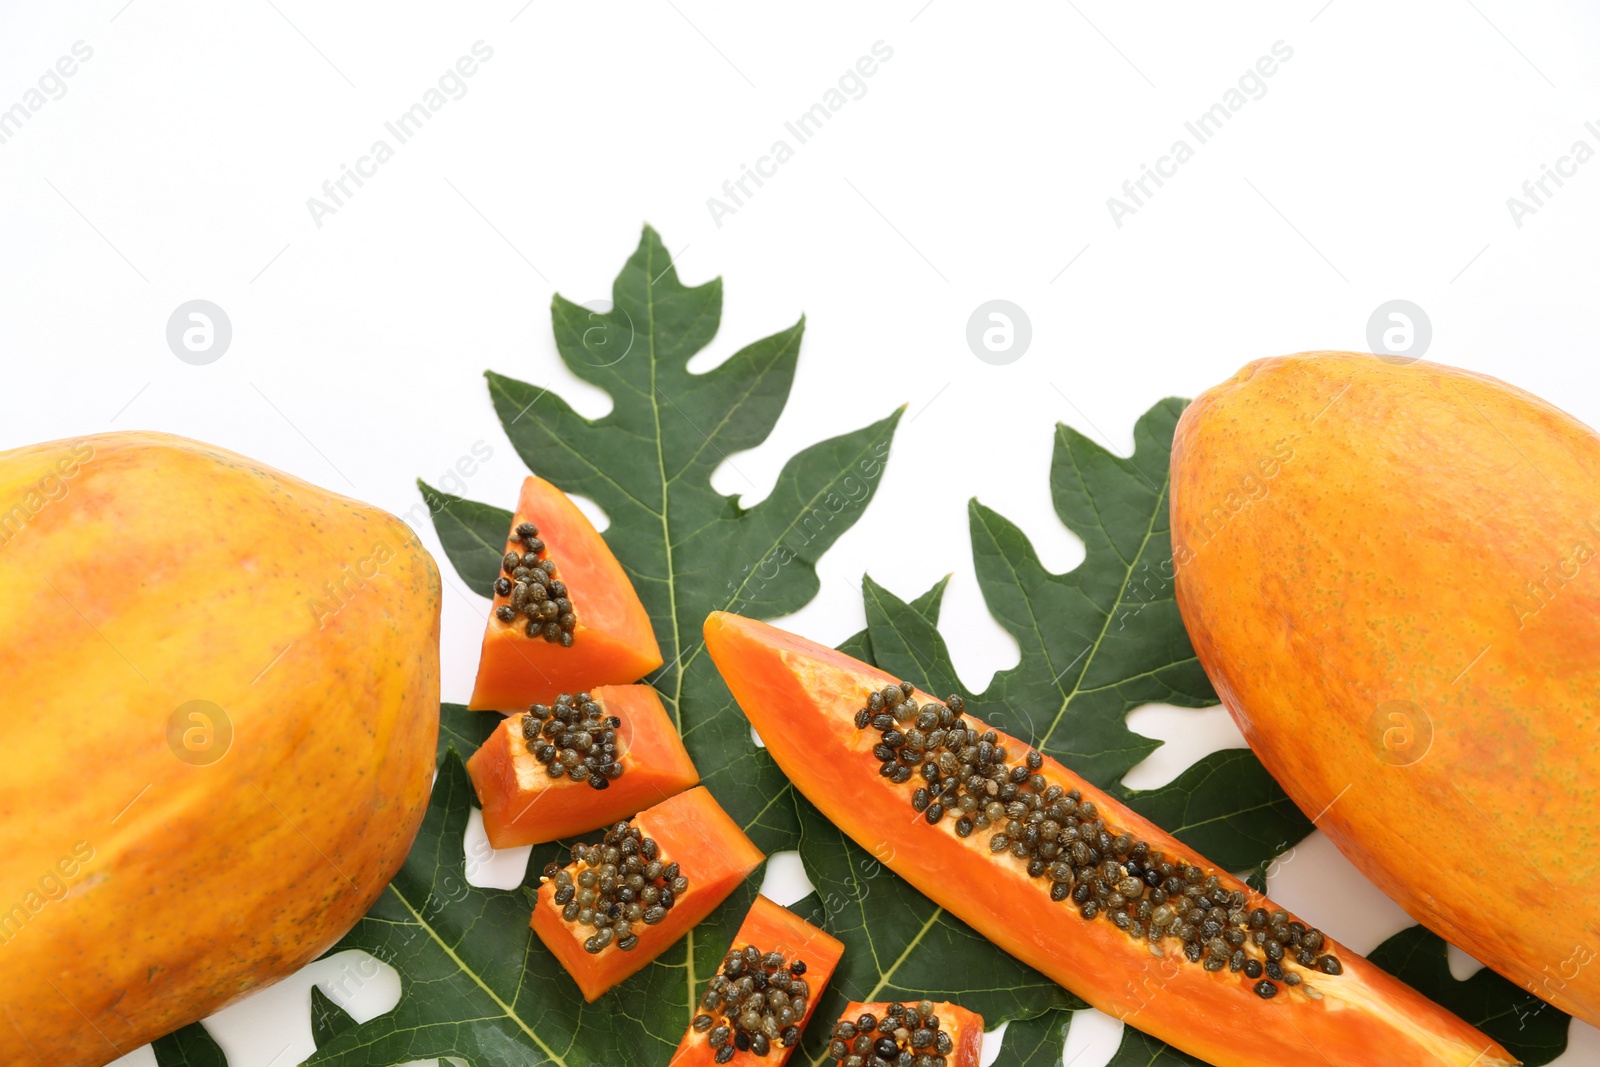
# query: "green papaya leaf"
[[908, 637], [859, 644], [475, 983], [463, 730], [1142, 1050], [1035, 1042], [189, 1047], [1227, 807], [1104, 638], [1038, 1042], [689, 549], [1096, 643], [328, 1020], [473, 536]]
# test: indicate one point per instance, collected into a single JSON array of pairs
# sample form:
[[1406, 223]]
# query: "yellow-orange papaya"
[[221, 705], [1388, 573]]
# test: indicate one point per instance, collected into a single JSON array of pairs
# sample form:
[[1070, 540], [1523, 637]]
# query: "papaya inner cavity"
[[574, 738], [909, 1033], [615, 887], [962, 773], [754, 1003], [534, 592]]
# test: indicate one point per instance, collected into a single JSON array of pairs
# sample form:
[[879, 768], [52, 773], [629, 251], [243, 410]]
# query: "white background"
[[976, 166]]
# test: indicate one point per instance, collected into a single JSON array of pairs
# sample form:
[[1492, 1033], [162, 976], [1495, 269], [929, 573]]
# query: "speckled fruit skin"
[[140, 891], [1388, 574]]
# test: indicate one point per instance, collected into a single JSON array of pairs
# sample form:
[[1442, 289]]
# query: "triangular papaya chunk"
[[565, 616], [524, 803], [688, 855], [1068, 879], [790, 962]]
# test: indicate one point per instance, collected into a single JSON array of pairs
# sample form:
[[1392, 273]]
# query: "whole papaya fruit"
[[1388, 573], [217, 739]]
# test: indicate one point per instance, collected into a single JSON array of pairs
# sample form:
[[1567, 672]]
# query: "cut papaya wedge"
[[791, 961], [953, 1033], [600, 633], [819, 712], [524, 805], [690, 855]]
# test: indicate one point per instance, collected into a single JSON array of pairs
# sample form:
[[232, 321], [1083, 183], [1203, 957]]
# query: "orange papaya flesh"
[[523, 805], [802, 699], [957, 1032], [1385, 573], [612, 641], [690, 830], [768, 929]]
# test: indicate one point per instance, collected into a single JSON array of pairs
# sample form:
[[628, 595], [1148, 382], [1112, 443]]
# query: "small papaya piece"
[[693, 839], [797, 958], [523, 805], [956, 1033], [1295, 997], [609, 640]]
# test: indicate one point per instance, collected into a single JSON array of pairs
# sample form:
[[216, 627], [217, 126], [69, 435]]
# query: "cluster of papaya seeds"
[[574, 738], [755, 1003], [906, 1035], [965, 778], [616, 887], [529, 579]]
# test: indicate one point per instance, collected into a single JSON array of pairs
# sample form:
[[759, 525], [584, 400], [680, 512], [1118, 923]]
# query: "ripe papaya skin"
[[522, 805], [964, 1027], [613, 644], [771, 928], [712, 852], [145, 888], [801, 697], [1422, 535]]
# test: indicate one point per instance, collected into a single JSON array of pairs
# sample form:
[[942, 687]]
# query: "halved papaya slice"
[[664, 871], [1114, 909], [534, 788], [785, 960], [564, 617], [871, 1035]]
